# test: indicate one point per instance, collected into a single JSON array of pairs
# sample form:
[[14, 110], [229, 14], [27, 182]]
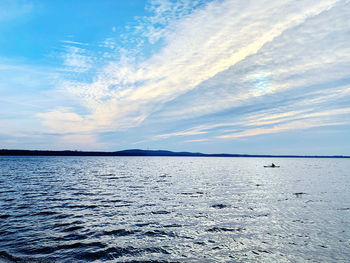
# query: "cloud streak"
[[211, 58], [267, 122], [298, 122]]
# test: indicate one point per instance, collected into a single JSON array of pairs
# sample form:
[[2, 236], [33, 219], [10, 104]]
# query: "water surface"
[[174, 209]]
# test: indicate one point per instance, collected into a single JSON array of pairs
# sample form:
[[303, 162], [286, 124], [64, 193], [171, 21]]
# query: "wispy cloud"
[[198, 140], [289, 67], [74, 43], [75, 59], [268, 122], [164, 15], [272, 66], [290, 126], [182, 133]]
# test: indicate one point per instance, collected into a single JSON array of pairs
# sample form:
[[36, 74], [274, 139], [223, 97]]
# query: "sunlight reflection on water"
[[174, 209]]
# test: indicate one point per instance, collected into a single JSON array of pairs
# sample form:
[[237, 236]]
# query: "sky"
[[212, 76]]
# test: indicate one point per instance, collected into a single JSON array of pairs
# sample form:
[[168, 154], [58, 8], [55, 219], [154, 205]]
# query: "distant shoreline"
[[137, 152]]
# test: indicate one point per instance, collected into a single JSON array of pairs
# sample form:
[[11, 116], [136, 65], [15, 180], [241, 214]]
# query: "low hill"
[[139, 152]]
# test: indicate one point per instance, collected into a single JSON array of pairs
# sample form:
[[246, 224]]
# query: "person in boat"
[[273, 165]]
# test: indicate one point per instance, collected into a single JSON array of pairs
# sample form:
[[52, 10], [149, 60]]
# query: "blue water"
[[174, 209]]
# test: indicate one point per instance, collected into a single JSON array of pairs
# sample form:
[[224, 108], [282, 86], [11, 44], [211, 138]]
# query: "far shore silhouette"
[[139, 152]]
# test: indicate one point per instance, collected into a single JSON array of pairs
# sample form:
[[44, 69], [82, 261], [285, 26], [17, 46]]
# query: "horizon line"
[[141, 152]]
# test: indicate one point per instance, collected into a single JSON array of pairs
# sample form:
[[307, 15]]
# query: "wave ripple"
[[150, 209]]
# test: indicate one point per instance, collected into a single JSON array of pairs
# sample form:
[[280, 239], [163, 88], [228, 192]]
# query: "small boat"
[[271, 166]]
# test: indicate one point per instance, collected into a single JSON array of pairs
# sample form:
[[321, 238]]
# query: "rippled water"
[[174, 209]]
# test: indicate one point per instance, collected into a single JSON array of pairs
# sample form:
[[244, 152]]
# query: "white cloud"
[[62, 121], [274, 120], [303, 58], [109, 43], [76, 60], [198, 140], [228, 53], [182, 133], [164, 15], [290, 126], [74, 42]]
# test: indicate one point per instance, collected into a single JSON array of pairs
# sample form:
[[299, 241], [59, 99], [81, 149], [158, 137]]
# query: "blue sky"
[[216, 76]]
